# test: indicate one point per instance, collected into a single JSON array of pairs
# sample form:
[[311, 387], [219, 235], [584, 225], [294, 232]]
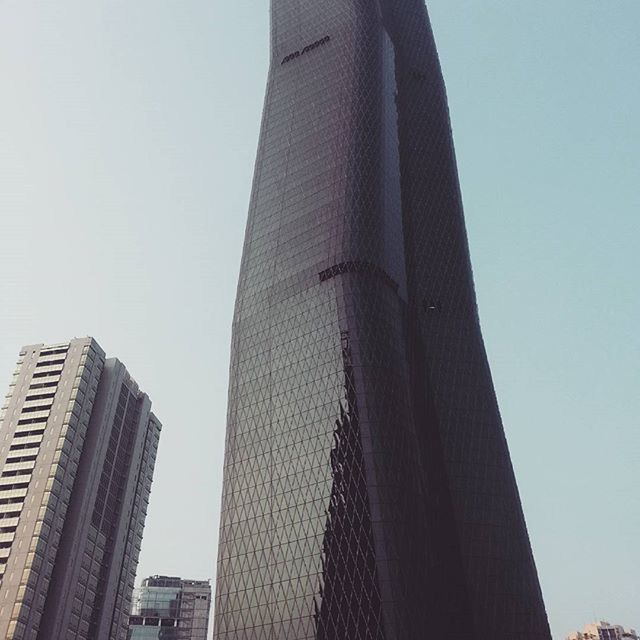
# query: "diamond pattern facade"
[[368, 490]]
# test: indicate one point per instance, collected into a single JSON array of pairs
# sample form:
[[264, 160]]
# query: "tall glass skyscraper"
[[368, 489]]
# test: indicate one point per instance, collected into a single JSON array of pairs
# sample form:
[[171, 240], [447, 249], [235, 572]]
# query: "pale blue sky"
[[127, 138]]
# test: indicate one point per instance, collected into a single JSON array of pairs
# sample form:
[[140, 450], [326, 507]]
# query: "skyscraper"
[[78, 444], [170, 608], [368, 489]]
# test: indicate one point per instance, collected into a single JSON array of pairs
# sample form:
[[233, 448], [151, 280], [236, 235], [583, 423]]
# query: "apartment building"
[[78, 444]]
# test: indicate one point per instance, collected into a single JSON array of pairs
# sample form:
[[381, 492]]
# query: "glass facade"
[[368, 490], [159, 602], [170, 608]]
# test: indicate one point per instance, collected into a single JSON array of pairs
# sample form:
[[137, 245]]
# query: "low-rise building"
[[604, 631], [170, 608]]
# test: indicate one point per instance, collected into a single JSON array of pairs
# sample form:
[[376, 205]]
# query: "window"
[[10, 514], [41, 407], [49, 363], [53, 352], [32, 421], [16, 472], [26, 445], [43, 385], [47, 374], [16, 459], [26, 434], [40, 396]]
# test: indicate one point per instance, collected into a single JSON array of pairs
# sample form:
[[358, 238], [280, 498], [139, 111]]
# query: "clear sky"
[[128, 133]]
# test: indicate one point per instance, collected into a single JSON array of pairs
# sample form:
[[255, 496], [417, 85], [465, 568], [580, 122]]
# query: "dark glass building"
[[368, 490]]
